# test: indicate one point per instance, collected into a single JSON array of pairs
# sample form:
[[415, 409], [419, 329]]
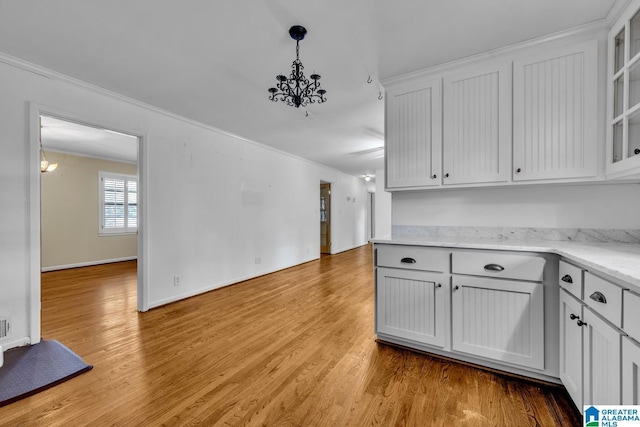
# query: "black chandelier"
[[296, 90]]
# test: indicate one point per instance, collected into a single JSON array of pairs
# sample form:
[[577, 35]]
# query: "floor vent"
[[5, 326]]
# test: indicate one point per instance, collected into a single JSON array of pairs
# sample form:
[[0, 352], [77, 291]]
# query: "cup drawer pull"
[[493, 267], [408, 261], [599, 297], [567, 279]]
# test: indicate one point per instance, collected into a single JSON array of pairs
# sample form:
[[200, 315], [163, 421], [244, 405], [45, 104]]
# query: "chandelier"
[[297, 90]]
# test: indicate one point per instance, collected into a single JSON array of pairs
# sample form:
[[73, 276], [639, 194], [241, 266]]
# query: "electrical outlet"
[[258, 260], [177, 280]]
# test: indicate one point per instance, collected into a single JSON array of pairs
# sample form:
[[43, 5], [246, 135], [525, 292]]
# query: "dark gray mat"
[[31, 369]]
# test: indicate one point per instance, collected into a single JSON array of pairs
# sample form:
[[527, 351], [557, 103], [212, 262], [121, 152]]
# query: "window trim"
[[123, 231]]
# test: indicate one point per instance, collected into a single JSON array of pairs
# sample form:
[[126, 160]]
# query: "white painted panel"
[[611, 308], [570, 278], [499, 319], [631, 315], [488, 263], [601, 362], [477, 125], [571, 346], [413, 135], [410, 305], [413, 257], [383, 206], [630, 372], [555, 114]]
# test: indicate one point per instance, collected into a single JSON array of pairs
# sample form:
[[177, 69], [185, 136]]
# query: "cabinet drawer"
[[499, 264], [604, 298], [570, 278], [412, 257], [631, 315]]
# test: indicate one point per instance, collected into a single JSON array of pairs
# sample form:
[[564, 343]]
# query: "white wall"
[[214, 202], [383, 207], [615, 206]]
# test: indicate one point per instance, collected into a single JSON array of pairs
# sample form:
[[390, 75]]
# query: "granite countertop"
[[618, 260]]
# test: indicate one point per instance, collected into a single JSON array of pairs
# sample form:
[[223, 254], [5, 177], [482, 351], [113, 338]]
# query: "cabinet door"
[[499, 319], [555, 114], [414, 135], [410, 305], [477, 125], [601, 361], [623, 94], [630, 372], [571, 346]]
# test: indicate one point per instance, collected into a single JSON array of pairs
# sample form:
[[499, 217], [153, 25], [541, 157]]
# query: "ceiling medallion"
[[298, 90]]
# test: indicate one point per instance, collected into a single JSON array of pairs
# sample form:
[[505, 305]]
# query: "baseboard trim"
[[337, 251], [199, 291], [20, 342], [86, 264]]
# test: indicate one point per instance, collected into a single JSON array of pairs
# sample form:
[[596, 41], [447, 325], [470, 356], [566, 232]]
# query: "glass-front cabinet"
[[623, 117]]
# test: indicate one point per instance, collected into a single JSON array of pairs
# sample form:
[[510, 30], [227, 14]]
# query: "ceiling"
[[73, 138], [213, 61]]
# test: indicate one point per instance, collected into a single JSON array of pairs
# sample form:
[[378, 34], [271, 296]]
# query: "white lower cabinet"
[[499, 319], [410, 305], [485, 307], [630, 371], [571, 327], [602, 376]]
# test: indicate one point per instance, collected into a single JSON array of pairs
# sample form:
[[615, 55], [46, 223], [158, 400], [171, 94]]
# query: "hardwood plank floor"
[[293, 348]]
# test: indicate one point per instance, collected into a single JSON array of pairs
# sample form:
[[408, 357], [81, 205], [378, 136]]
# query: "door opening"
[[325, 218], [95, 223]]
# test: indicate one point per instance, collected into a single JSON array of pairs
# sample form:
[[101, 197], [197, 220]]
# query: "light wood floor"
[[293, 348]]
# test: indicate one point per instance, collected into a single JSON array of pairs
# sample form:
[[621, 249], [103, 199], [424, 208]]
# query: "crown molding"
[[581, 30], [617, 9], [54, 75]]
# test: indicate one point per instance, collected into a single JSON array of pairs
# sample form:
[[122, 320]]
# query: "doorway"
[[325, 218], [83, 147]]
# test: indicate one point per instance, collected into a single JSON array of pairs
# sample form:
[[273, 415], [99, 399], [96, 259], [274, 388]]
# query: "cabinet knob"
[[518, 170], [581, 323], [408, 261], [439, 285], [434, 176], [636, 151], [446, 175], [567, 279], [598, 297], [456, 287], [573, 316]]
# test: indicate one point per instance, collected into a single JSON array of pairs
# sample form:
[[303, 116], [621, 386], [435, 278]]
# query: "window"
[[118, 203]]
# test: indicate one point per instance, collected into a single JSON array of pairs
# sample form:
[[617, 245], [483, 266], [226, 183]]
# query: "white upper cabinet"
[[414, 135], [530, 114], [477, 125], [555, 114], [623, 112]]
